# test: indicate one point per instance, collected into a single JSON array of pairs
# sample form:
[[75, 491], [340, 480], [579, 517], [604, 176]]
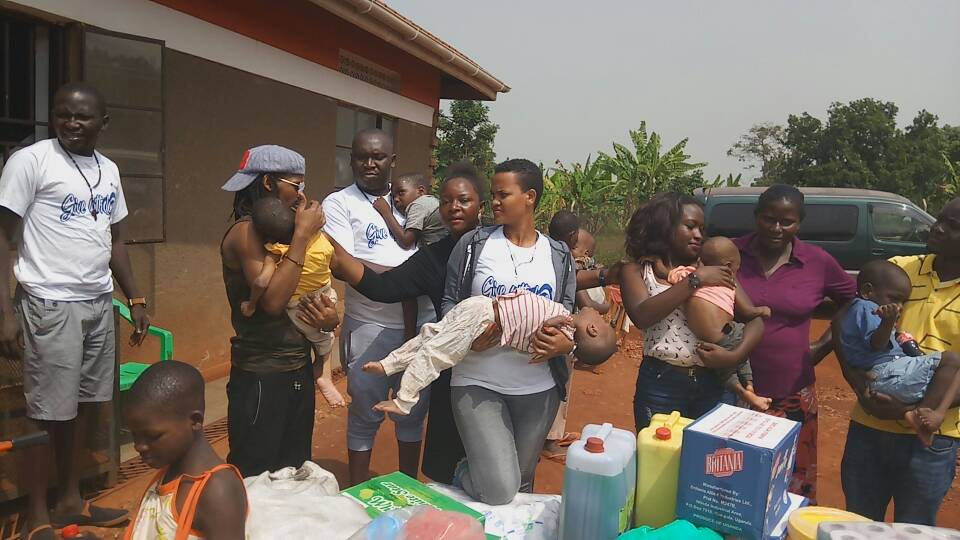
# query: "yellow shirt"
[[315, 274], [932, 315]]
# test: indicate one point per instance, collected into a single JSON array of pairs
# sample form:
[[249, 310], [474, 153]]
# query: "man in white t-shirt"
[[372, 330], [67, 199]]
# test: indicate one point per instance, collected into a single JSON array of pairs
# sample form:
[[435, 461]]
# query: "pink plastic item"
[[432, 524]]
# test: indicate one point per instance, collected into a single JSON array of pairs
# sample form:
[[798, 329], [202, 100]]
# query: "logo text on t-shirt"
[[73, 206], [492, 289], [376, 234]]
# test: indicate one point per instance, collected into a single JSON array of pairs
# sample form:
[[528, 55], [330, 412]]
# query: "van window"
[[823, 222], [731, 220], [897, 223], [829, 222]]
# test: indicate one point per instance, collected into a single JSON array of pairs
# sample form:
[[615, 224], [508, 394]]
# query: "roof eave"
[[382, 21]]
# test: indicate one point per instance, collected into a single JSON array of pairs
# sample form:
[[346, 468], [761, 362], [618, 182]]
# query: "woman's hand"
[[715, 356], [310, 218], [716, 276], [613, 273], [549, 342], [489, 338], [319, 312]]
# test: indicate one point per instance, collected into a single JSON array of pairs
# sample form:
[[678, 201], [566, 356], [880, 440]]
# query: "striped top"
[[522, 313]]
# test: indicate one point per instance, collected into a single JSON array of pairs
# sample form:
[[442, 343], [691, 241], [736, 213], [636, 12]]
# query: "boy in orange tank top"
[[194, 494]]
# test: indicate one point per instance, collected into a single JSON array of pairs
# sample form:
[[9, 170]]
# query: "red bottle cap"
[[594, 445], [70, 531], [663, 433]]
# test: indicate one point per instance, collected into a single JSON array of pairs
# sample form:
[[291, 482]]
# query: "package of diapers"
[[529, 516]]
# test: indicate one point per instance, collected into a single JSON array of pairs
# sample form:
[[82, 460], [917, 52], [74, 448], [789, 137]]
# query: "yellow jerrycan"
[[658, 468]]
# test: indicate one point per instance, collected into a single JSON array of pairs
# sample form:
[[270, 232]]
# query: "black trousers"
[[270, 419]]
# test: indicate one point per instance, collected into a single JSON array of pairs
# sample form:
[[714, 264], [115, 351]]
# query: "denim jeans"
[[503, 436], [879, 466], [663, 389]]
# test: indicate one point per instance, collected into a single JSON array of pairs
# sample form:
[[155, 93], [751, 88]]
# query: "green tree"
[[580, 188], [466, 133], [645, 169], [762, 147], [860, 146]]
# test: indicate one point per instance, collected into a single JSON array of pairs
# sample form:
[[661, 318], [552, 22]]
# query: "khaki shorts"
[[322, 342], [69, 354]]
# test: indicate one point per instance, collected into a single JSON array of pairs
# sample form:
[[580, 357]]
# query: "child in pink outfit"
[[710, 316], [517, 316]]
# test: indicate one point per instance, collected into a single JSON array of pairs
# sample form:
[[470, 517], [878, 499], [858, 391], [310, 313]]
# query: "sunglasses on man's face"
[[299, 185]]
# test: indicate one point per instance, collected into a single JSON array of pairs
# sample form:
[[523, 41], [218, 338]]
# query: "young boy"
[[194, 494], [710, 313], [411, 195], [517, 316], [565, 227], [274, 222], [583, 257], [867, 337]]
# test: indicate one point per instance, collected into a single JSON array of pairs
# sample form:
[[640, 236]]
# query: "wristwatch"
[[139, 301], [602, 277], [693, 280]]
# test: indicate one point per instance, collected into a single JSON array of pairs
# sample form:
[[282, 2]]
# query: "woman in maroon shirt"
[[793, 278]]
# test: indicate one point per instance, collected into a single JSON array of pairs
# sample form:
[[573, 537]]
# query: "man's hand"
[[11, 337], [381, 205], [489, 338], [319, 312], [141, 322], [310, 219], [888, 312]]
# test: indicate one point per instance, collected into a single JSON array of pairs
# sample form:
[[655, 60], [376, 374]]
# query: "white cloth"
[[669, 339], [64, 253], [360, 230], [503, 268], [303, 503], [527, 517]]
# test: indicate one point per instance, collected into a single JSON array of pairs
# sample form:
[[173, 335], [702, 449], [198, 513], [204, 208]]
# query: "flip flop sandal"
[[92, 516], [556, 457], [568, 438], [43, 532]]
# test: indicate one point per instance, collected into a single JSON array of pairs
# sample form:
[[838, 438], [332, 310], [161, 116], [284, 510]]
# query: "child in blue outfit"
[[932, 381]]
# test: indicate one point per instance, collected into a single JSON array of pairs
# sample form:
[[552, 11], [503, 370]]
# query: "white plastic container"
[[599, 481]]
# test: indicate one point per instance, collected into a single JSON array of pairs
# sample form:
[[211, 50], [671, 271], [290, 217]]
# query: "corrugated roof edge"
[[379, 19]]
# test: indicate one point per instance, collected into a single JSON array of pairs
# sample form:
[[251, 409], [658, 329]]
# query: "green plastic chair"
[[131, 371]]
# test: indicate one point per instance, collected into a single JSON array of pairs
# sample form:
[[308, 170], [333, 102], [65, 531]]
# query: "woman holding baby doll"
[[792, 277], [679, 372]]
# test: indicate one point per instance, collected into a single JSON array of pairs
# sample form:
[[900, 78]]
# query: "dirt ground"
[[600, 397]]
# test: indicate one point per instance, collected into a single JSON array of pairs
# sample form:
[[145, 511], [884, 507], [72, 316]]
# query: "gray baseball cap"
[[268, 158]]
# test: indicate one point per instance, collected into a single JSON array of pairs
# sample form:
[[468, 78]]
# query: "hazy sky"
[[585, 72]]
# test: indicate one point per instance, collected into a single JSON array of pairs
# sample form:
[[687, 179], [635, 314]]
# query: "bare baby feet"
[[388, 407], [374, 367], [330, 393], [247, 308], [929, 421]]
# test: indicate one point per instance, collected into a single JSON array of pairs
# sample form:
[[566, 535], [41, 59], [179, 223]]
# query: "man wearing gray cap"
[[371, 330], [270, 396]]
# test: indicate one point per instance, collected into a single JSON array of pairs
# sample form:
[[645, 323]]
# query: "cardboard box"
[[735, 467], [397, 490]]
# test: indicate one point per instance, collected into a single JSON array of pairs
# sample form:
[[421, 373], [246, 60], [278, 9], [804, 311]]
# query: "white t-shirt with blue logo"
[[357, 226], [504, 268], [64, 253]]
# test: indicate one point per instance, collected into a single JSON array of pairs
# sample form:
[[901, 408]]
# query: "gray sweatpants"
[[502, 436]]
